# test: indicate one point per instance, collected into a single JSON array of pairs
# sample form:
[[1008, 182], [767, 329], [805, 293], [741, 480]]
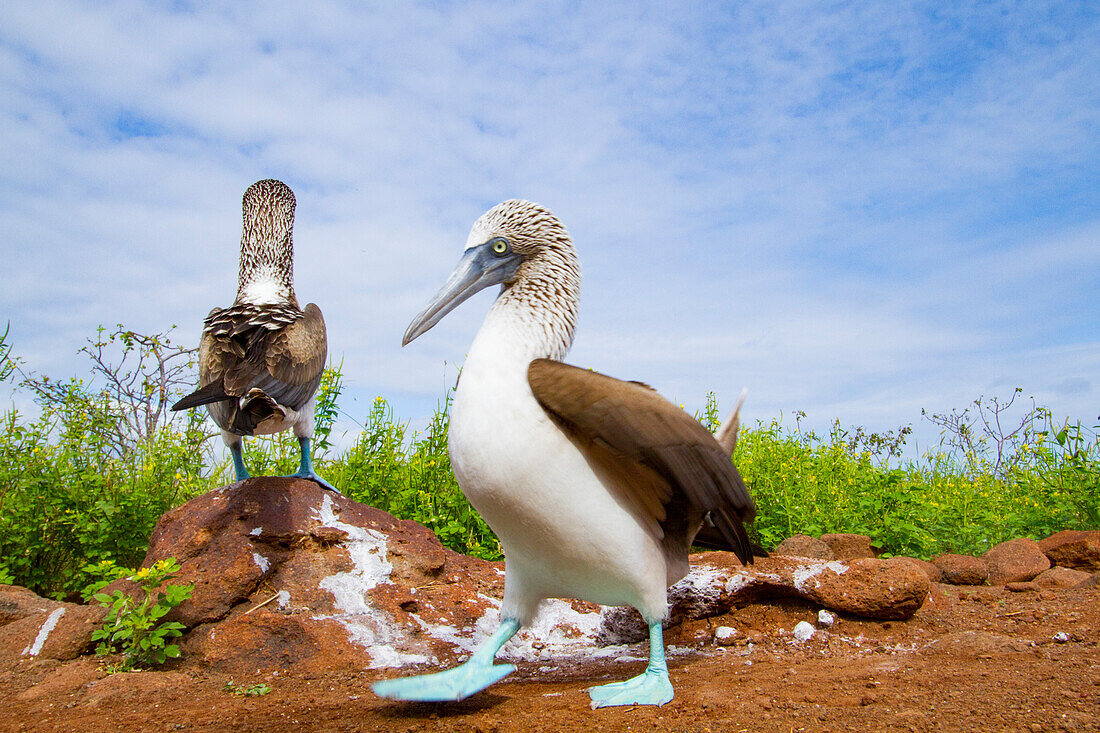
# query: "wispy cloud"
[[857, 210]]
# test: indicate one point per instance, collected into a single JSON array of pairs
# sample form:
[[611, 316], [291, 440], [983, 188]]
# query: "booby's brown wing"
[[285, 362], [295, 358], [682, 472], [279, 350]]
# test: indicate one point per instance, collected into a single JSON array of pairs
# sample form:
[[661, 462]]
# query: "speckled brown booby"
[[595, 486], [260, 359]]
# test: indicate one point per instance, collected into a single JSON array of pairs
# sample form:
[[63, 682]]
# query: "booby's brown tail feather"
[[253, 409], [712, 538], [213, 392]]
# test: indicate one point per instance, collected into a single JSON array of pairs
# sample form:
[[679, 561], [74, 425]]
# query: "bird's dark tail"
[[253, 409], [213, 392], [712, 538]]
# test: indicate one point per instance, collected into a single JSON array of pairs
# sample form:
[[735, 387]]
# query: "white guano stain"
[[48, 625], [365, 624], [805, 573], [261, 561]]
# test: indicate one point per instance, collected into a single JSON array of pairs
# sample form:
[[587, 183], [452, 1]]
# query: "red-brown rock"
[[849, 546], [1093, 581], [869, 587], [886, 589], [17, 602], [1015, 561], [961, 569], [802, 545], [64, 632], [930, 569], [1059, 577], [1077, 549]]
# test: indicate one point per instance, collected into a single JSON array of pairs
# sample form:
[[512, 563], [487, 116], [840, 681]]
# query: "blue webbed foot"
[[651, 687], [472, 676], [316, 479], [305, 470], [451, 685]]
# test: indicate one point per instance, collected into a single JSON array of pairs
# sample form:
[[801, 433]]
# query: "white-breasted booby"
[[261, 359], [595, 486]]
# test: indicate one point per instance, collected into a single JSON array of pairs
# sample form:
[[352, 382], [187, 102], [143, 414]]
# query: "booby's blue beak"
[[492, 263]]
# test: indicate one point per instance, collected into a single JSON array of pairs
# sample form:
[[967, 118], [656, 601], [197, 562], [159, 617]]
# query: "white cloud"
[[858, 211]]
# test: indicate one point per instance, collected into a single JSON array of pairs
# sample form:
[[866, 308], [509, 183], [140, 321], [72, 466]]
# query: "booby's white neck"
[[266, 286]]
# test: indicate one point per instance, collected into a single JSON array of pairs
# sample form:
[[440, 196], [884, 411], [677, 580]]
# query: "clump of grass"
[[947, 501]]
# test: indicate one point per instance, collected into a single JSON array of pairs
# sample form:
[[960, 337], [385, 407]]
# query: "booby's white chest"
[[564, 530]]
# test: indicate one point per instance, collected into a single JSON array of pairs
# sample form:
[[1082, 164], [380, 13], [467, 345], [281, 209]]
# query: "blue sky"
[[859, 210]]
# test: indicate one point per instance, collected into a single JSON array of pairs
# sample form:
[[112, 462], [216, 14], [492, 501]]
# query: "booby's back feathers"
[[241, 318], [677, 472], [278, 350]]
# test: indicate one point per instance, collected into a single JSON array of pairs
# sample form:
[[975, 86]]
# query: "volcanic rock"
[[885, 589], [849, 546], [285, 570], [930, 569], [869, 587], [288, 574], [961, 569], [63, 632], [17, 602], [1015, 561], [1093, 581], [802, 545], [1059, 577], [1077, 549]]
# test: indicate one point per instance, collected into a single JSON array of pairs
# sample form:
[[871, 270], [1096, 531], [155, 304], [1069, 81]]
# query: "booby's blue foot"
[[651, 687], [648, 688], [305, 469], [238, 462], [451, 685], [472, 676]]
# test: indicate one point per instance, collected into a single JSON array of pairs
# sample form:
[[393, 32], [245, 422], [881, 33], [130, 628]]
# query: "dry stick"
[[269, 600]]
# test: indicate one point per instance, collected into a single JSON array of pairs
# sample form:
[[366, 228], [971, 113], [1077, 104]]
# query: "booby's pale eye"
[[499, 246]]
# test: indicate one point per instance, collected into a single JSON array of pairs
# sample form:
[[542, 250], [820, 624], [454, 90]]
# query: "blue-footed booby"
[[594, 486], [260, 359]]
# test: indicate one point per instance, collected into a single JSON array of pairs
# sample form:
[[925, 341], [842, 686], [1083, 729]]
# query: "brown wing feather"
[[297, 353], [639, 428], [245, 348]]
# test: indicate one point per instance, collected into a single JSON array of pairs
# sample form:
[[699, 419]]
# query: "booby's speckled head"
[[267, 248], [523, 247]]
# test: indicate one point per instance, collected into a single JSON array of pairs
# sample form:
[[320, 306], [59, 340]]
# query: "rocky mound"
[[287, 574]]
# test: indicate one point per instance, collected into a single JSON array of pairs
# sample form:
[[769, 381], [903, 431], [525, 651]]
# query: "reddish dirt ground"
[[974, 659]]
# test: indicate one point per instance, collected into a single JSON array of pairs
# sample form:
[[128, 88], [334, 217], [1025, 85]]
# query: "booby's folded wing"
[[284, 362], [650, 437], [269, 349], [295, 358]]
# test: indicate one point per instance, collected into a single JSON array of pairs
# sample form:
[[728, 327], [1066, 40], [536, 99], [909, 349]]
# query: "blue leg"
[[238, 461], [473, 675], [305, 469], [651, 687]]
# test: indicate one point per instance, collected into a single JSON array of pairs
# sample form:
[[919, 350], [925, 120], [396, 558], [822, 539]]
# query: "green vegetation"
[[981, 486], [135, 628], [256, 690], [85, 482]]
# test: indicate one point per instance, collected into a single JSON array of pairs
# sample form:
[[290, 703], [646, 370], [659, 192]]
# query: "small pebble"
[[803, 631], [826, 618], [1061, 637], [725, 635]]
